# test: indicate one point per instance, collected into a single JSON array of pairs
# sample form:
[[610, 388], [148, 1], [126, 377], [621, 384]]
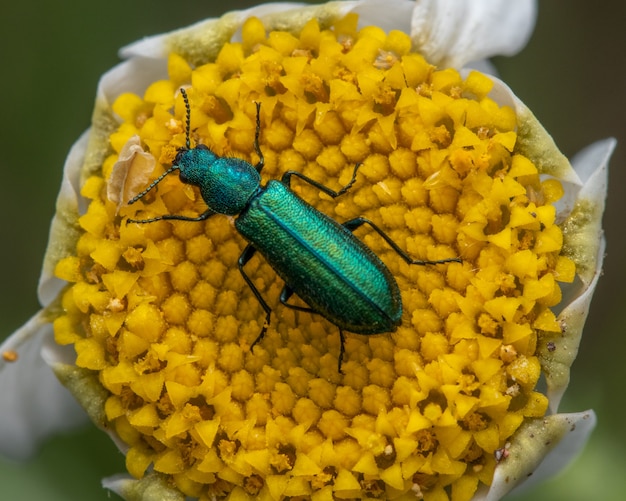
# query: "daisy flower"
[[151, 326]]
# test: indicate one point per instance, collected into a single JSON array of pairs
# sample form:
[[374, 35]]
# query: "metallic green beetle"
[[319, 259]]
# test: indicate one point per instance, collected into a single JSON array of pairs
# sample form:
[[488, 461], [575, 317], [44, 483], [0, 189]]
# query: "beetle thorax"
[[226, 184]]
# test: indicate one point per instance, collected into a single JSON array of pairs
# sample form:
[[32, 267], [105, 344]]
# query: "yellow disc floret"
[[162, 314]]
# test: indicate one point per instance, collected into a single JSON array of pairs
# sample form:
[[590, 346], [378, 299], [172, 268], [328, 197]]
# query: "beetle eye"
[[179, 156]]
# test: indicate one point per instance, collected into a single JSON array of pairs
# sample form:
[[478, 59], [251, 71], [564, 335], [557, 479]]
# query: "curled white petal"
[[584, 243], [206, 37], [83, 384], [457, 32], [388, 15], [540, 448], [591, 165], [557, 352], [63, 231], [583, 226], [534, 141], [133, 76], [34, 404]]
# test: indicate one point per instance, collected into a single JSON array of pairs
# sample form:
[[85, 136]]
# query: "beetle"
[[319, 259]]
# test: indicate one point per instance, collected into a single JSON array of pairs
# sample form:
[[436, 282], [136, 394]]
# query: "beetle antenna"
[[153, 184], [188, 118], [187, 146]]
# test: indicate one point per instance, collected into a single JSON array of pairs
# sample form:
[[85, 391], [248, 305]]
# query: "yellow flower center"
[[162, 314]]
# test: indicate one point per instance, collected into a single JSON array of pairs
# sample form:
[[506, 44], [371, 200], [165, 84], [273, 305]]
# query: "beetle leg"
[[202, 217], [353, 224], [257, 132], [286, 180], [342, 350], [246, 255], [286, 293]]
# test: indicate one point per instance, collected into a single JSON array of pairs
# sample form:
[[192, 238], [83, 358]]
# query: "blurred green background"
[[572, 75]]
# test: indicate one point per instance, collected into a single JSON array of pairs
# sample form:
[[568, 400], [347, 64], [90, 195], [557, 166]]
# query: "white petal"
[[533, 140], [541, 448], [204, 39], [63, 232], [386, 14], [585, 243], [152, 487], [583, 227], [484, 66], [83, 384], [457, 32], [34, 403], [133, 76], [592, 163], [557, 359]]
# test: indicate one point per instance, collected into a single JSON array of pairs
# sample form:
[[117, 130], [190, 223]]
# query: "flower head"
[[451, 165]]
